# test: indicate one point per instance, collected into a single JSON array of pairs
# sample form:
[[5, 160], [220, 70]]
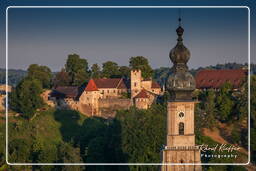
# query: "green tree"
[[253, 118], [68, 154], [41, 73], [77, 69], [143, 134], [124, 71], [19, 151], [110, 70], [140, 62], [26, 97], [61, 78], [225, 102], [210, 110], [95, 71]]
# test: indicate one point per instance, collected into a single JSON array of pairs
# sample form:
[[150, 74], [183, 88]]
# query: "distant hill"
[[160, 74], [15, 75]]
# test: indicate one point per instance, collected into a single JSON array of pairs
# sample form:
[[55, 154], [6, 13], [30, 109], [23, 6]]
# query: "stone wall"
[[108, 107]]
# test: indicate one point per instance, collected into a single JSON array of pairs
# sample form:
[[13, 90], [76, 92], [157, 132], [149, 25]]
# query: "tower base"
[[187, 154]]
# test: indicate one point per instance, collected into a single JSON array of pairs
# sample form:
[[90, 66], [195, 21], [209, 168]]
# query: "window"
[[135, 84], [181, 114], [181, 128]]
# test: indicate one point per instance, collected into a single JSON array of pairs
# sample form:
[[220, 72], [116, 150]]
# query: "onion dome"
[[180, 82]]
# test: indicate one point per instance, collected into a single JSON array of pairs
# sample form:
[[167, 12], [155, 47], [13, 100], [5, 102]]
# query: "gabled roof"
[[142, 94], [91, 86], [155, 85], [110, 83], [66, 91], [216, 78]]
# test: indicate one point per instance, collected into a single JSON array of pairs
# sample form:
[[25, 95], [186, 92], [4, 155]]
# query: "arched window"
[[181, 128]]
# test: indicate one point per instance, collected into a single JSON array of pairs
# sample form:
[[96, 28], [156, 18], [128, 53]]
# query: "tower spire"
[[180, 83], [179, 17]]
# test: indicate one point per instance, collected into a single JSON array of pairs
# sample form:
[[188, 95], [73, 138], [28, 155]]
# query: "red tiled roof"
[[122, 85], [155, 85], [91, 86], [142, 94], [216, 78], [110, 83]]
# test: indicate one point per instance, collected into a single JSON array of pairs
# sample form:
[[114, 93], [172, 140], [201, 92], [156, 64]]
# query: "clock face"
[[181, 114]]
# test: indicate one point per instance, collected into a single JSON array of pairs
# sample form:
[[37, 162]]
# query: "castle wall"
[[121, 103], [2, 102], [142, 103], [108, 107]]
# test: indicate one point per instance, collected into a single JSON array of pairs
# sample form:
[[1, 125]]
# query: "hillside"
[[54, 133], [15, 75]]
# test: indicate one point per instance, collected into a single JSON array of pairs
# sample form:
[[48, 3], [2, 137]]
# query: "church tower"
[[180, 146]]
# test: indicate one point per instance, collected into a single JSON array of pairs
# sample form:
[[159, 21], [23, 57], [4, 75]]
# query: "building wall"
[[91, 98], [111, 92], [142, 103], [108, 107], [156, 90], [146, 84]]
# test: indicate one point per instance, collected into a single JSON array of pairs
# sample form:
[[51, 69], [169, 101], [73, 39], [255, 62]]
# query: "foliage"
[[236, 135], [61, 79], [253, 118], [225, 102], [143, 134], [77, 69], [41, 73], [26, 97], [209, 106], [124, 71], [110, 70], [95, 71], [140, 62]]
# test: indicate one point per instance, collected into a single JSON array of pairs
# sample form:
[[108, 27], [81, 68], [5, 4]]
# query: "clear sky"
[[47, 36]]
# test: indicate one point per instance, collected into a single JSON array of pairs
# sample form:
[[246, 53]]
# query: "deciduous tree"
[[77, 69], [41, 73], [110, 70], [95, 71], [140, 62]]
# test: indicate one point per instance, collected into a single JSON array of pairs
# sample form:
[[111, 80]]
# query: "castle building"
[[90, 98], [180, 146]]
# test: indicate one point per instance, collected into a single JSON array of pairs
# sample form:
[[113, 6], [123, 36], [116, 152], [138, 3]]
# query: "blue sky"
[[47, 36]]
